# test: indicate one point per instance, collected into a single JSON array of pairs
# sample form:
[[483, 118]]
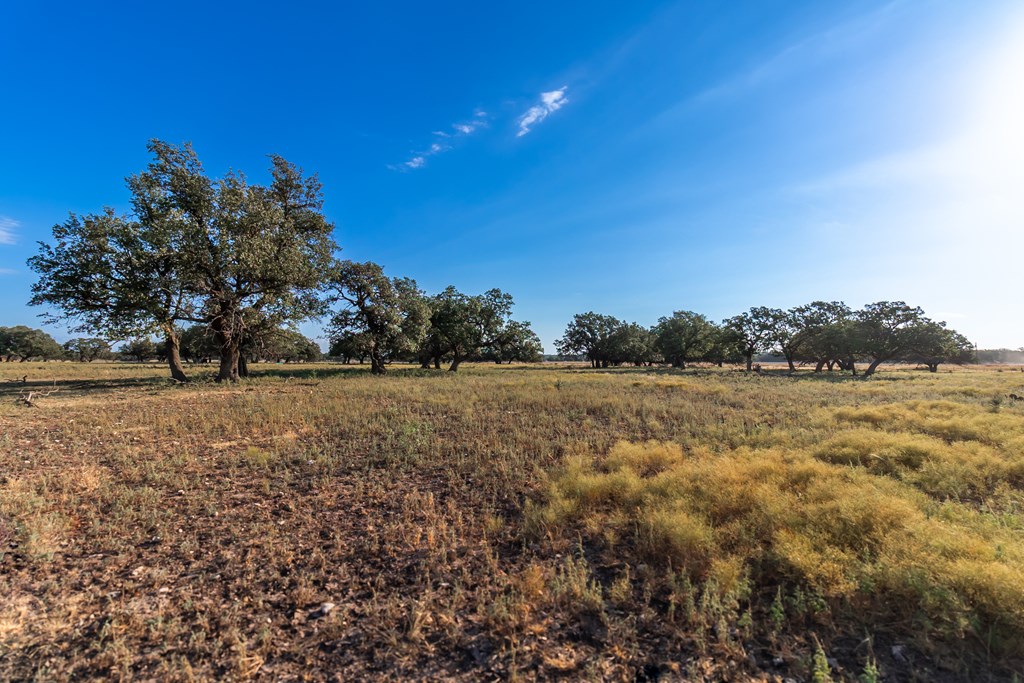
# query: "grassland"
[[521, 522]]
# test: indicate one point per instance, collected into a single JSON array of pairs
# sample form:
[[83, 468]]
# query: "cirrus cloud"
[[550, 102], [7, 227], [459, 130]]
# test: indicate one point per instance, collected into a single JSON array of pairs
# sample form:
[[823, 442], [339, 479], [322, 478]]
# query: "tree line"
[[240, 264], [826, 334], [225, 268], [22, 344]]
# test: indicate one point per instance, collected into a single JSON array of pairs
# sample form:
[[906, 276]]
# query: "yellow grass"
[[530, 521]]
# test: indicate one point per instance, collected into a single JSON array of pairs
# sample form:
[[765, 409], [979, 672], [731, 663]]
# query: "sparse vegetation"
[[513, 521]]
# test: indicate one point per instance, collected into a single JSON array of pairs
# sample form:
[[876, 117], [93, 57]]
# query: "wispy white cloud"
[[549, 102], [7, 230], [459, 130], [7, 271]]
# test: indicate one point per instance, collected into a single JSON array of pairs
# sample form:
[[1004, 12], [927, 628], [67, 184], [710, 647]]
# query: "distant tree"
[[140, 349], [432, 350], [631, 343], [285, 345], [198, 344], [590, 335], [754, 330], [887, 330], [724, 347], [934, 343], [349, 345], [516, 341], [823, 334], [684, 337], [87, 349], [787, 334], [27, 343], [389, 315], [461, 326]]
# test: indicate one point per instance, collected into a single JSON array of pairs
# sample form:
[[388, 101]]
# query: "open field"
[[514, 522]]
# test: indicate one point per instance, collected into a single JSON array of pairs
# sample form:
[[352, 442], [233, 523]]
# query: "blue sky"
[[627, 158]]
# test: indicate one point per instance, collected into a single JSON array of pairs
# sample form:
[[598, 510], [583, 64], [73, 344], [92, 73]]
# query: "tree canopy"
[[27, 343], [389, 316], [240, 258]]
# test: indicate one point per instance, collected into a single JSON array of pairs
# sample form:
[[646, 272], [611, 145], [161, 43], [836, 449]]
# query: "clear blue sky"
[[627, 158]]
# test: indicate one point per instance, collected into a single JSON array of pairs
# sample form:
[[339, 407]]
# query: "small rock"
[[322, 611], [899, 653]]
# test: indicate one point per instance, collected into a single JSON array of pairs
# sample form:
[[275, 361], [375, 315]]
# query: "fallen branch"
[[29, 399]]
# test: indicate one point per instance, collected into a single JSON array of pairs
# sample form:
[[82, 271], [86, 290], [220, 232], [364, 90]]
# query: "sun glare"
[[994, 140]]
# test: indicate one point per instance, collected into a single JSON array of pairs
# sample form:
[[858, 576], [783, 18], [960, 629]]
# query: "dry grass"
[[514, 522]]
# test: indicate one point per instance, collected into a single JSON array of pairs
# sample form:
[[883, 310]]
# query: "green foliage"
[[755, 330], [383, 317], [88, 349], [112, 275], [933, 343], [821, 672], [632, 343], [514, 342], [27, 343], [284, 345], [197, 343], [887, 330], [255, 257], [821, 332], [141, 349], [348, 345], [461, 326], [242, 259], [590, 335], [684, 337]]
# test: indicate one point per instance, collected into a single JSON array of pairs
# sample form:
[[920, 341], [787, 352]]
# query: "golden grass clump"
[[792, 520]]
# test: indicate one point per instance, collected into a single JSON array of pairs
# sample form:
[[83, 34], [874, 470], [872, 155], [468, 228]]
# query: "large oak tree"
[[241, 258]]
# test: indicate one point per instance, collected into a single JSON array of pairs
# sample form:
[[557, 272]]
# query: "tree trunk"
[[750, 361], [871, 368], [789, 359], [933, 367], [174, 356], [437, 362], [243, 365], [819, 366], [377, 366], [456, 360], [228, 371]]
